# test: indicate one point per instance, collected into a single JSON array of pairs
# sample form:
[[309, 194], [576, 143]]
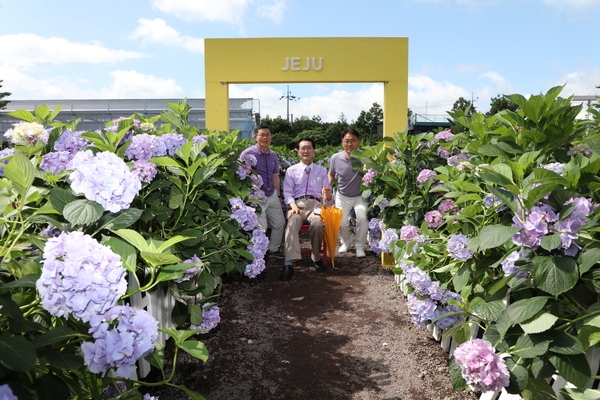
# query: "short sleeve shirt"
[[267, 164], [349, 180]]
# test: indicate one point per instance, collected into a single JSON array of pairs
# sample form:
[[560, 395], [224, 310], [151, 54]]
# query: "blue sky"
[[476, 49]]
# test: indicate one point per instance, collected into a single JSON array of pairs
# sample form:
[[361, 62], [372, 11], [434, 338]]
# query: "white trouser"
[[360, 206], [273, 213]]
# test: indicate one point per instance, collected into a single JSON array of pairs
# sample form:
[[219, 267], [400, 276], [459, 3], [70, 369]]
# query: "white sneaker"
[[343, 249], [360, 253]]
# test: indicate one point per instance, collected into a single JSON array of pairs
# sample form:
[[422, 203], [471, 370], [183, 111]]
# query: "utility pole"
[[288, 97]]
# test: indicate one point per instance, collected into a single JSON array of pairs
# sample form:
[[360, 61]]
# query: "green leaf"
[[193, 395], [530, 346], [573, 394], [157, 357], [22, 114], [489, 311], [519, 376], [67, 357], [195, 348], [538, 389], [196, 314], [133, 238], [18, 354], [122, 220], [537, 193], [574, 368], [60, 198], [156, 259], [588, 259], [547, 176], [298, 298], [565, 343], [461, 278], [20, 171], [172, 241], [522, 310], [50, 387], [492, 236], [555, 275], [125, 250], [456, 377], [551, 242], [56, 335], [540, 323], [83, 212]]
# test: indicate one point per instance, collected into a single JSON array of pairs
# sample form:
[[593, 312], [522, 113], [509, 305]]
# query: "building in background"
[[95, 114]]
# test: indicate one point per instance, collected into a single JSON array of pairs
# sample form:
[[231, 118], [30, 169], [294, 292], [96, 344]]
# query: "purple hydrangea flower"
[[535, 225], [383, 203], [580, 149], [6, 393], [434, 218], [70, 141], [145, 146], [554, 167], [144, 170], [199, 139], [5, 153], [569, 227], [369, 177], [446, 136], [172, 142], [388, 237], [447, 205], [425, 174], [27, 133], [482, 368], [509, 267], [243, 214], [441, 152], [258, 248], [458, 159], [421, 311], [122, 336], [147, 396], [80, 277], [50, 231], [57, 161], [491, 201], [192, 272], [457, 248], [210, 319], [105, 179], [409, 232]]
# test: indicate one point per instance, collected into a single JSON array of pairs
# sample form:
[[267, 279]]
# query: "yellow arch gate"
[[307, 60]]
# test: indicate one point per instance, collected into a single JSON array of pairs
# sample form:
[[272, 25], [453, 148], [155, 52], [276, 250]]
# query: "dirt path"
[[341, 334]]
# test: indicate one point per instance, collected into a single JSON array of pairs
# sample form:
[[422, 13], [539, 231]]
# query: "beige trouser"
[[315, 231]]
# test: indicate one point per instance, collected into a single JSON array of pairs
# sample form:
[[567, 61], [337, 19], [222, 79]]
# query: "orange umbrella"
[[332, 219]]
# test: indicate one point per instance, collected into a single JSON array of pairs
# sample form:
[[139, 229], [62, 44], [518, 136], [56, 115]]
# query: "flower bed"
[[496, 225]]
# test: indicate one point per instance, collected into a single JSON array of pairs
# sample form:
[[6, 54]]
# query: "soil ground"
[[340, 334]]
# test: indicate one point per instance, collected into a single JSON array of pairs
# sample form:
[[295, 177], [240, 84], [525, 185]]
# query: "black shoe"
[[276, 254], [286, 273], [319, 266]]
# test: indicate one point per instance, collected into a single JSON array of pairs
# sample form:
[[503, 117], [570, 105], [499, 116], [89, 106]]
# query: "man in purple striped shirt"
[[303, 188]]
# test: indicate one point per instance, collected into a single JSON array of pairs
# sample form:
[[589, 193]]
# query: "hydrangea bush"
[[499, 224], [90, 219]]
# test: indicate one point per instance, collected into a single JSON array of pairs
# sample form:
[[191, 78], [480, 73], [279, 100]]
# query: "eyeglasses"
[[350, 141], [306, 148], [263, 135]]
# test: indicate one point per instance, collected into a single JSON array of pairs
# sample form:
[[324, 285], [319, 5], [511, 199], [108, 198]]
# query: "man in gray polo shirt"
[[348, 194]]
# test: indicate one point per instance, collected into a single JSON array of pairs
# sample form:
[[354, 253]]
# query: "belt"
[[307, 197]]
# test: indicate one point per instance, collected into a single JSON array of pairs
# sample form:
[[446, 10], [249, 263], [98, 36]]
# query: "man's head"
[[262, 135], [306, 150], [350, 140]]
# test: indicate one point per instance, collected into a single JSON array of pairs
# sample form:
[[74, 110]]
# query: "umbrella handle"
[[323, 196]]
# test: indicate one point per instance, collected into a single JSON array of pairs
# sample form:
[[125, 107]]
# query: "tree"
[[3, 103], [368, 122], [465, 105], [500, 103]]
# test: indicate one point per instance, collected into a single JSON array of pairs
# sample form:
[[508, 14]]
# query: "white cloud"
[[272, 9], [134, 85], [574, 4], [28, 50], [125, 84], [157, 31], [231, 11], [427, 96]]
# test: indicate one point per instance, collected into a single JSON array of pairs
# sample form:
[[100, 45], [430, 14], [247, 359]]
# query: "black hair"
[[261, 126], [314, 146], [352, 131]]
